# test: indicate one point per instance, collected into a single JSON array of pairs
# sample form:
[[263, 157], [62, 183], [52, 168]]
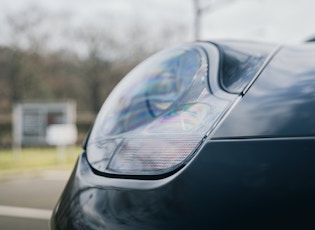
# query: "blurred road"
[[26, 202]]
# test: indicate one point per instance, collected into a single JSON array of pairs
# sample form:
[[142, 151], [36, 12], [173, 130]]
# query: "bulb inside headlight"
[[157, 116]]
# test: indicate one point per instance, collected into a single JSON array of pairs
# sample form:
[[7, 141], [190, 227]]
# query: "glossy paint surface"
[[249, 184], [281, 102]]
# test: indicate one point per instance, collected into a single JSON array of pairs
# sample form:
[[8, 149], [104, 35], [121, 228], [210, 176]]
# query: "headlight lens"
[[157, 116]]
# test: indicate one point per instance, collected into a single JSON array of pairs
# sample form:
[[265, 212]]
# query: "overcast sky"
[[285, 21], [271, 20]]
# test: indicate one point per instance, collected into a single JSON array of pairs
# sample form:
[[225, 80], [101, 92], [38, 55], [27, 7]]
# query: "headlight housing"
[[159, 114]]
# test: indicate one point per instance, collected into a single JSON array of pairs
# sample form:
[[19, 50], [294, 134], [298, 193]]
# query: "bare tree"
[[26, 28], [22, 56], [96, 64], [104, 56]]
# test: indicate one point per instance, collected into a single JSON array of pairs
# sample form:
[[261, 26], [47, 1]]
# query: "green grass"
[[28, 159]]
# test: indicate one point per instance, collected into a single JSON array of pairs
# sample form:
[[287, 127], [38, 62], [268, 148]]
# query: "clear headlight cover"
[[157, 116]]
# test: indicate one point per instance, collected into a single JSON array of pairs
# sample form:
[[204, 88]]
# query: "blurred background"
[[74, 52]]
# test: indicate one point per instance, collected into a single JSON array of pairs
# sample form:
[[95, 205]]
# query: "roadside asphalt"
[[28, 197], [50, 173]]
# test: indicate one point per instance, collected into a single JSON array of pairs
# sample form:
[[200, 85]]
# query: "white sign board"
[[61, 134], [31, 120]]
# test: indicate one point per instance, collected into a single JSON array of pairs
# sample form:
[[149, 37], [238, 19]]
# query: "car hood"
[[280, 102]]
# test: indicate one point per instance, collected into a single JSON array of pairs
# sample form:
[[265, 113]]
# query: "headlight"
[[159, 114]]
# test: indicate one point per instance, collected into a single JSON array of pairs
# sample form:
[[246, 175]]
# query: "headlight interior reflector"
[[157, 116]]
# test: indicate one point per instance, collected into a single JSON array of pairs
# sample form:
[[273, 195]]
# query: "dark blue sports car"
[[208, 135]]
